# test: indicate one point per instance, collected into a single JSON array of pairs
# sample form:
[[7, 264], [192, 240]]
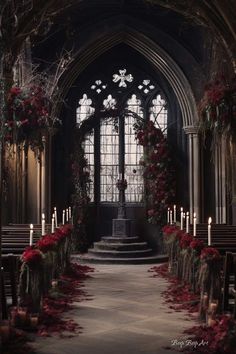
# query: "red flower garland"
[[32, 256], [185, 241], [210, 253], [197, 245], [47, 243], [158, 172]]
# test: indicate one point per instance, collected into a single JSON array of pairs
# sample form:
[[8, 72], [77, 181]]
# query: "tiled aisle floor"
[[126, 316]]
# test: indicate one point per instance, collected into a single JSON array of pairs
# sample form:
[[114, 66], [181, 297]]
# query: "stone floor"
[[125, 316]]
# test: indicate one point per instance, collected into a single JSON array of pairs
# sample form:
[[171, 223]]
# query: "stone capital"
[[191, 129]]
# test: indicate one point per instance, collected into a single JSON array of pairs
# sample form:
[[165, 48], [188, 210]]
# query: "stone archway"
[[176, 78]]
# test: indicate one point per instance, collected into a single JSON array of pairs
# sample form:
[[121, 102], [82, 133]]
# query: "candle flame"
[[31, 226], [43, 216], [194, 215], [181, 209], [209, 220]]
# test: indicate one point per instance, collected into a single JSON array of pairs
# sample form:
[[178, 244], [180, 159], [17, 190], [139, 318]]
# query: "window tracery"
[[138, 102]]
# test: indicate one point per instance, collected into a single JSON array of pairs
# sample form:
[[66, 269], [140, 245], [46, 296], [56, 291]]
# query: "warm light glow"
[[209, 220], [194, 215], [31, 226], [43, 216]]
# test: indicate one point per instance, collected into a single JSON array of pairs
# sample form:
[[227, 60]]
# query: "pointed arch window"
[[103, 144]]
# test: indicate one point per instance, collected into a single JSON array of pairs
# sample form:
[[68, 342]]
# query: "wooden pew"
[[229, 283]]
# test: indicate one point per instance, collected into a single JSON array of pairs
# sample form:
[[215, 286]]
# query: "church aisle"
[[126, 315]]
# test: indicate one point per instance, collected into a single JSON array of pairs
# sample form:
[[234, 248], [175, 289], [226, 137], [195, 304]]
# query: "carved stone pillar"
[[220, 181], [43, 177], [194, 171]]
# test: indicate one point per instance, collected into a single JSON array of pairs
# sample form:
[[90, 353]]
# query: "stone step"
[[102, 245], [120, 239], [88, 258], [120, 254]]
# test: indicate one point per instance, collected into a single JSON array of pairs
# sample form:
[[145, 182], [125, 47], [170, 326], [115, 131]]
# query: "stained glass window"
[[85, 109], [158, 113], [109, 132], [133, 154], [109, 156], [88, 146]]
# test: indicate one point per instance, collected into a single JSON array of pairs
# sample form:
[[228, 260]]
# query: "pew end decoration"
[[191, 262], [41, 264]]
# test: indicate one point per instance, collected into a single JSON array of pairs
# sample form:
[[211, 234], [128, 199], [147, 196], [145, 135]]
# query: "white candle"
[[194, 224], [67, 214], [63, 217], [175, 214], [181, 219], [209, 231], [171, 217], [43, 224], [53, 221], [187, 222], [168, 215], [31, 234], [55, 215]]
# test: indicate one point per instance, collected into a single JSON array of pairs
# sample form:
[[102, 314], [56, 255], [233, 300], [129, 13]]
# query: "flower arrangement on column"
[[217, 108], [80, 196], [29, 116], [158, 170]]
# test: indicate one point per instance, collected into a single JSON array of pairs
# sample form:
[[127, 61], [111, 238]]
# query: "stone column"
[[220, 181], [194, 171], [43, 177]]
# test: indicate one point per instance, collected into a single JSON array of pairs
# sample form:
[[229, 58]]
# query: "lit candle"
[[209, 231], [171, 217], [53, 221], [55, 215], [63, 217], [168, 215], [31, 234], [69, 212], [187, 222], [181, 219], [43, 224], [67, 215], [174, 214], [194, 224]]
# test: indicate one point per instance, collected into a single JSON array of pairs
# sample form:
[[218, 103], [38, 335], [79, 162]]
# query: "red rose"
[[32, 256]]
